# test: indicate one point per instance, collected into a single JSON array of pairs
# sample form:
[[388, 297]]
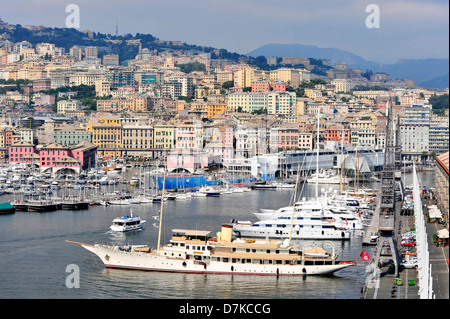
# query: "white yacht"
[[344, 217], [328, 178], [194, 251], [315, 226], [127, 223], [120, 202]]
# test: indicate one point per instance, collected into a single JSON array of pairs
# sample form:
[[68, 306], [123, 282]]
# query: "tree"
[[227, 85]]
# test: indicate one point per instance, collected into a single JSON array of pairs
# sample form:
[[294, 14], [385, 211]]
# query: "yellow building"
[[106, 135], [289, 76], [163, 138], [243, 77], [213, 109]]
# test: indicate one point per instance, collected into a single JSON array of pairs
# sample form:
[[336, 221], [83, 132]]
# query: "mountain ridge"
[[432, 72]]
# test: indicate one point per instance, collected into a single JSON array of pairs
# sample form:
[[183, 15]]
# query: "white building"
[[68, 105], [248, 101], [281, 103], [343, 85]]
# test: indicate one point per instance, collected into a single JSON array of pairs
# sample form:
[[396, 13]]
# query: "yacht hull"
[[113, 258]]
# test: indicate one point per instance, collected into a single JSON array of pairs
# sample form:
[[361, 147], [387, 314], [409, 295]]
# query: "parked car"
[[408, 243], [410, 263]]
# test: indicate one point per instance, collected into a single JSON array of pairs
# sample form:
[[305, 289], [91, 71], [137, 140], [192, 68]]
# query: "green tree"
[[227, 85]]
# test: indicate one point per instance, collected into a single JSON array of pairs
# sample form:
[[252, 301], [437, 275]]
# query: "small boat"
[[20, 205], [120, 202], [41, 206], [159, 199], [6, 208], [263, 185], [127, 223], [74, 205], [134, 181], [135, 200], [209, 191]]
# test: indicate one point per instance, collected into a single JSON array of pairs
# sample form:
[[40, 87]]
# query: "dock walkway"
[[382, 283]]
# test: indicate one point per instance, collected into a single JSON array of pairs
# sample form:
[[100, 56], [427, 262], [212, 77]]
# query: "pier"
[[429, 279], [388, 277]]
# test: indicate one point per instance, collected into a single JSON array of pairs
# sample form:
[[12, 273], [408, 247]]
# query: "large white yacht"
[[344, 217], [314, 226], [194, 251]]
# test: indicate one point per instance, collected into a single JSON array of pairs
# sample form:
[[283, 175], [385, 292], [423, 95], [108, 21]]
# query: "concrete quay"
[[383, 284]]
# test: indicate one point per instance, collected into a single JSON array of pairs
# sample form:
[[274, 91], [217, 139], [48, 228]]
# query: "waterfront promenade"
[[385, 285]]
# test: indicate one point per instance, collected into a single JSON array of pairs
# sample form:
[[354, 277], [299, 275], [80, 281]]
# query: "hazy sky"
[[408, 28]]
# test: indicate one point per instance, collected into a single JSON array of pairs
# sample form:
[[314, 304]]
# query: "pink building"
[[260, 86], [44, 99], [41, 85], [279, 86], [285, 137], [19, 150], [55, 156], [185, 160], [51, 154], [85, 152]]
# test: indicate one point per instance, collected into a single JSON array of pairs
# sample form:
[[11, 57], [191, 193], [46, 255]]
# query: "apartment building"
[[343, 85], [164, 138], [106, 135], [189, 136], [281, 103], [415, 132], [91, 52], [139, 103], [110, 60], [243, 77], [64, 106], [70, 134], [247, 101], [137, 140], [187, 84], [41, 85], [214, 109]]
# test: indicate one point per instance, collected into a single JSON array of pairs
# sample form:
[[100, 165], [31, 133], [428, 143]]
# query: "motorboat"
[[120, 202], [127, 223], [209, 191]]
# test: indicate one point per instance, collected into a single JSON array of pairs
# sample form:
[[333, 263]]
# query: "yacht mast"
[[162, 208], [293, 206], [317, 161]]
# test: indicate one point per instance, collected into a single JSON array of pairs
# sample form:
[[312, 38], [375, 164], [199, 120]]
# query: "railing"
[[423, 256]]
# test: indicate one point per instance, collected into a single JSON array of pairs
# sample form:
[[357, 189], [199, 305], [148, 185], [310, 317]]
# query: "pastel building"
[[337, 134], [19, 150], [260, 85], [55, 156]]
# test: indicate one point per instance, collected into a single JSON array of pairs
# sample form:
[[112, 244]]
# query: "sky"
[[408, 29]]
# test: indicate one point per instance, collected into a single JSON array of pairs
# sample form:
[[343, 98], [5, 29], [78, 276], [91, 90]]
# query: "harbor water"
[[35, 255]]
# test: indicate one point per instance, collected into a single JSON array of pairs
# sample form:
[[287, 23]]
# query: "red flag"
[[364, 255], [346, 222], [359, 213]]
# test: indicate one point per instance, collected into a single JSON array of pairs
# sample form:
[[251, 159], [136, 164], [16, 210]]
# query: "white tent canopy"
[[443, 233], [434, 212]]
